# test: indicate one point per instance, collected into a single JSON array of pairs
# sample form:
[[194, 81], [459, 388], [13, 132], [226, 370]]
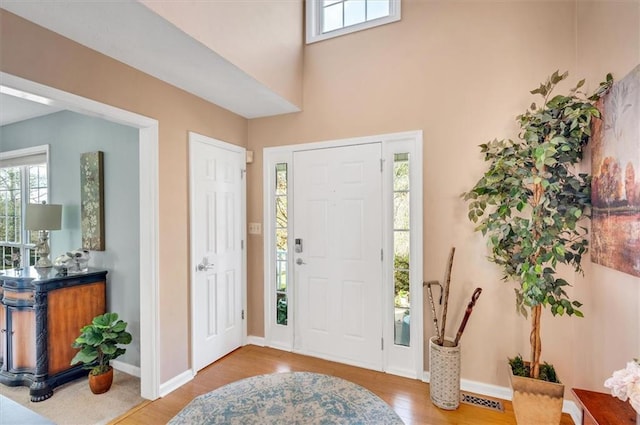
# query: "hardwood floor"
[[408, 397]]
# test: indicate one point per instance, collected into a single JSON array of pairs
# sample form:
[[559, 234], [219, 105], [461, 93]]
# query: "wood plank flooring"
[[408, 397]]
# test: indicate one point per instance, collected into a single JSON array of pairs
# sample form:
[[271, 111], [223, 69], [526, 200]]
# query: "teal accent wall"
[[68, 135]]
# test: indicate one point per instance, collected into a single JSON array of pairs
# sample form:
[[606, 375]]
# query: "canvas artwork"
[[92, 201], [615, 189]]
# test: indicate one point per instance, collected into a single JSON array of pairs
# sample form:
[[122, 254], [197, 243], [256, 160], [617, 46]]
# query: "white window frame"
[[22, 158], [398, 360], [314, 21]]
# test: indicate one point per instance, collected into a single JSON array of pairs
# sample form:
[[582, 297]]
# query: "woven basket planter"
[[444, 374], [535, 401]]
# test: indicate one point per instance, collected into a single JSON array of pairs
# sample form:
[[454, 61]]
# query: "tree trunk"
[[536, 343]]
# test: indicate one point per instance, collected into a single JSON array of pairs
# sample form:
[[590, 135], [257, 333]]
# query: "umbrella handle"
[[472, 303]]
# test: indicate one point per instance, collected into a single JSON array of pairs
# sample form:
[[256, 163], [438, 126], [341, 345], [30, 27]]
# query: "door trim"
[[199, 138], [283, 337]]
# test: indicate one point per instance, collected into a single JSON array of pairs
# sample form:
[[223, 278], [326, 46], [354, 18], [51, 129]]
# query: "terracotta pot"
[[101, 383], [536, 401]]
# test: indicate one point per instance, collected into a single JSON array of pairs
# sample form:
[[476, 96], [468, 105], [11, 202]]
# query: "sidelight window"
[[282, 254], [401, 249]]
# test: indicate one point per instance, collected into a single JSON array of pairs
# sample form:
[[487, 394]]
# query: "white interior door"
[[338, 221], [217, 223]]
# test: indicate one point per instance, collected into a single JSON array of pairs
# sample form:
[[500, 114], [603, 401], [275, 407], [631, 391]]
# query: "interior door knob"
[[204, 265], [300, 262]]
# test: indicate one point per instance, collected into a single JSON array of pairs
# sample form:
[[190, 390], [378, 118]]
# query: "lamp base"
[[43, 263], [43, 251]]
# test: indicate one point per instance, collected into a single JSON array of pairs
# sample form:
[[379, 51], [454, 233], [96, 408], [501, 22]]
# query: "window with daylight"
[[401, 249], [332, 18], [23, 180], [282, 255]]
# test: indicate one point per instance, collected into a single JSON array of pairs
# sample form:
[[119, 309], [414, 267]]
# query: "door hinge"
[[242, 314], [242, 173], [382, 255], [382, 344], [242, 244], [381, 164]]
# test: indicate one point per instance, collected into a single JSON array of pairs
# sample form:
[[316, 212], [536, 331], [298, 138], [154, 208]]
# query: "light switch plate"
[[255, 228]]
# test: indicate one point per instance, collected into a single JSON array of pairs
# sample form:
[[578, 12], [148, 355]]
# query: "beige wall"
[[36, 54], [262, 38], [461, 72]]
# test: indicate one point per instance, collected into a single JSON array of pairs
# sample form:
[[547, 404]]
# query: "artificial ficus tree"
[[530, 201]]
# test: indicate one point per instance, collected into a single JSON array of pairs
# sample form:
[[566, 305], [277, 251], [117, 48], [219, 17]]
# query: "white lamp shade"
[[43, 217]]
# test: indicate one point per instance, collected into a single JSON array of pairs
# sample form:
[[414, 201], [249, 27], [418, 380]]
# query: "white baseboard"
[[505, 393], [255, 340], [126, 368], [176, 382], [571, 408]]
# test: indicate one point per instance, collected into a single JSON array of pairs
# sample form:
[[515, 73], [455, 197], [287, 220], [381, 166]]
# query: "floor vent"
[[487, 403]]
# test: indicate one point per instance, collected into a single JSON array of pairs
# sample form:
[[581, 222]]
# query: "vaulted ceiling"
[[128, 31]]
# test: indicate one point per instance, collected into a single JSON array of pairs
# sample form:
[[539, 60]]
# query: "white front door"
[[338, 224], [217, 223]]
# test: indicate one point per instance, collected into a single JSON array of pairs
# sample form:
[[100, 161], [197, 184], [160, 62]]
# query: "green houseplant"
[[99, 344], [530, 202]]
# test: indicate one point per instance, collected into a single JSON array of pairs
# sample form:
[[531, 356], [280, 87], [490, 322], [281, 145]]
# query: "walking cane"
[[446, 296], [433, 305]]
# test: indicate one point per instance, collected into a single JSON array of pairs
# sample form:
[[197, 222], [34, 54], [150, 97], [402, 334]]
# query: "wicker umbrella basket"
[[444, 374]]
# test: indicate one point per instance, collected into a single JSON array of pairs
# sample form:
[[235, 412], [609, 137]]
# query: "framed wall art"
[[92, 200], [615, 188]]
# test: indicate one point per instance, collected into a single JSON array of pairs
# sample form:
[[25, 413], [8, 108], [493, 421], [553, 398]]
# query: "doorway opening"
[[148, 193]]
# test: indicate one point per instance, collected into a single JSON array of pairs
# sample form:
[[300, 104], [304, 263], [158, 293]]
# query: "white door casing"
[[338, 219], [217, 248], [397, 359]]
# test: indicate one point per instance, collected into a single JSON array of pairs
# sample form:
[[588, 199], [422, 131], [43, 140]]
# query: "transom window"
[[331, 18]]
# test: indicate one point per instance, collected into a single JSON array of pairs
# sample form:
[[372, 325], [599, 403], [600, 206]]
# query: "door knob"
[[204, 265], [300, 262]]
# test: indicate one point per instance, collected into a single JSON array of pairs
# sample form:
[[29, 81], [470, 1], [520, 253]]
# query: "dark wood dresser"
[[41, 313], [604, 409]]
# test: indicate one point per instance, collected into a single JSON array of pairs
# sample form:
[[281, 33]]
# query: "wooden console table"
[[41, 313], [604, 409]]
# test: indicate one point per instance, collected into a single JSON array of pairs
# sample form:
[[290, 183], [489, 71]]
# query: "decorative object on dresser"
[[40, 314], [625, 384], [43, 218], [92, 200], [529, 204], [99, 343]]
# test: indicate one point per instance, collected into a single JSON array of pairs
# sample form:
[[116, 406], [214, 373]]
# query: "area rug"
[[288, 398], [74, 403]]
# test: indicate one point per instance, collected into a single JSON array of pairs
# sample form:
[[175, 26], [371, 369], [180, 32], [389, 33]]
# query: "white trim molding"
[[126, 368], [176, 382]]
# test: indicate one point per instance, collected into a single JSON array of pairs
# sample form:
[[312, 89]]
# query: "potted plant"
[[98, 343], [529, 204]]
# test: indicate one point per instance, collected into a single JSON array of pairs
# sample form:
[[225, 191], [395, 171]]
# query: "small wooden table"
[[604, 409]]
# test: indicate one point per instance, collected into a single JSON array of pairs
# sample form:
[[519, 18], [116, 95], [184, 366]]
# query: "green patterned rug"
[[288, 398]]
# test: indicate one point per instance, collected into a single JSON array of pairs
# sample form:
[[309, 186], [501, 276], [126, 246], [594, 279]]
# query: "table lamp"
[[43, 217]]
